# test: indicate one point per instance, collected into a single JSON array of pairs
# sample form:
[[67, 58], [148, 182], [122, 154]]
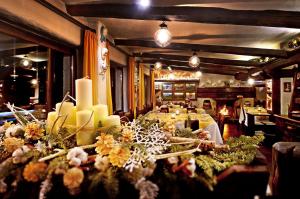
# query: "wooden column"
[[276, 103], [49, 84]]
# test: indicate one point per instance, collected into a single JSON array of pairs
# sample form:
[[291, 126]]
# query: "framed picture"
[[287, 87]]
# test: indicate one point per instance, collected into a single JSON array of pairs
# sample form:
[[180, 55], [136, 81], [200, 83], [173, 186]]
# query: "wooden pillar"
[[49, 84], [276, 103]]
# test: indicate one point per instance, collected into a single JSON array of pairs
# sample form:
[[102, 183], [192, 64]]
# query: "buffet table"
[[206, 122]]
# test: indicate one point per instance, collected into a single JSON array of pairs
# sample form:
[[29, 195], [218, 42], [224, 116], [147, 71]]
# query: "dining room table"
[[206, 122]]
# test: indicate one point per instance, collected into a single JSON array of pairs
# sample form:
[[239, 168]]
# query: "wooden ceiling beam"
[[206, 48], [163, 57], [212, 15]]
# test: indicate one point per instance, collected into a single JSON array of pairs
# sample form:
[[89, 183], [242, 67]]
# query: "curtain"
[[108, 84], [152, 92], [90, 61], [141, 102], [131, 93]]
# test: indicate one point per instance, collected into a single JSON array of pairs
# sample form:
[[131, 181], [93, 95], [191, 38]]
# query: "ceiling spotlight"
[[158, 65], [194, 61], [144, 3], [198, 74], [163, 36], [251, 81]]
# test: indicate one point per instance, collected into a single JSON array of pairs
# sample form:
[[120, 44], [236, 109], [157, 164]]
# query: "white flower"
[[77, 156], [101, 163], [39, 146], [18, 155], [173, 160], [148, 190], [191, 167], [12, 130]]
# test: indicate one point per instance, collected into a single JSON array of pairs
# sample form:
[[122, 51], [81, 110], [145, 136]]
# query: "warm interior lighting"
[[198, 74], [25, 62], [224, 110], [194, 61], [169, 68], [144, 3], [251, 81], [171, 76], [163, 36], [158, 65], [34, 82]]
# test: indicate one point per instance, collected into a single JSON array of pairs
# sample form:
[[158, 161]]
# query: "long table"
[[206, 122]]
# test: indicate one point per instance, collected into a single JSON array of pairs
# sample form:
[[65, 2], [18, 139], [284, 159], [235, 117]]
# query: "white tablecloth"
[[214, 133]]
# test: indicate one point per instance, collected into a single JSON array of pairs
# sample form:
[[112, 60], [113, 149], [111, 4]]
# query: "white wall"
[[285, 97]]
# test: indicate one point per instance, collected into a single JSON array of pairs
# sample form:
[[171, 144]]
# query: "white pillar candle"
[[84, 94], [112, 120], [87, 134], [52, 116], [82, 117], [101, 113], [66, 109]]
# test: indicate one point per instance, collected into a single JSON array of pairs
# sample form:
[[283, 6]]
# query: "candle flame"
[[224, 110]]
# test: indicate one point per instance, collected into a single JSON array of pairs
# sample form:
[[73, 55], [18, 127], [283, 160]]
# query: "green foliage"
[[186, 132]]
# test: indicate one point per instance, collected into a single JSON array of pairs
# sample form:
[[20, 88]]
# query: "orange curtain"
[[152, 93], [141, 102], [90, 61], [131, 93], [108, 83]]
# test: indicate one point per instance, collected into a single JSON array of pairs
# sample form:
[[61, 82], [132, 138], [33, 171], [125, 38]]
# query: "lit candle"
[[112, 120], [100, 114], [84, 94], [86, 135], [177, 112], [50, 121], [173, 116], [66, 109]]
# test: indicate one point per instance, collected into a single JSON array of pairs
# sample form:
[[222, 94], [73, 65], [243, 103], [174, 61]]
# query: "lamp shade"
[[163, 36], [194, 61]]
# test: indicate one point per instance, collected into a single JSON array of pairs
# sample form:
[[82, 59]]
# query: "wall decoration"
[[287, 87], [102, 51]]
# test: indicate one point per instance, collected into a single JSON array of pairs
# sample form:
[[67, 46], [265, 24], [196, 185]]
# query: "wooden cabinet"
[[177, 90]]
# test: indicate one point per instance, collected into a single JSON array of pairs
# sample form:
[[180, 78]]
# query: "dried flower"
[[127, 135], [11, 144], [101, 163], [3, 186], [77, 156], [12, 130], [104, 144], [46, 186], [118, 156], [148, 190], [191, 167], [34, 171], [34, 131], [19, 155], [73, 178], [40, 146], [7, 124]]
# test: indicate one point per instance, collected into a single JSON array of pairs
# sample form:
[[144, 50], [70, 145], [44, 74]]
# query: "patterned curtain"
[[131, 93], [108, 84], [152, 93], [141, 102]]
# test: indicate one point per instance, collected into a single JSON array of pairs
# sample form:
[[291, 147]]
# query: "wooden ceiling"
[[227, 34]]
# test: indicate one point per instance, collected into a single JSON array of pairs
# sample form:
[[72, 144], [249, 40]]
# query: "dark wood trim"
[[167, 57], [64, 15], [202, 65], [49, 84], [276, 102], [205, 48], [118, 48], [212, 15]]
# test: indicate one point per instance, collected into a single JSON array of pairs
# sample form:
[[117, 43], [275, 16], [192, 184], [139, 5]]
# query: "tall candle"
[[50, 121], [84, 94], [66, 109], [101, 113], [112, 120], [82, 117], [87, 134]]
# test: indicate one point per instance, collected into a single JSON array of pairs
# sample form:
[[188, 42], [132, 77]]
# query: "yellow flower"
[[34, 171], [34, 131], [118, 156], [7, 124], [104, 144], [73, 178], [12, 143], [127, 135]]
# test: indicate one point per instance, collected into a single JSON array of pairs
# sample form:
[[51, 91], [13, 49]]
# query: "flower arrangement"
[[134, 153]]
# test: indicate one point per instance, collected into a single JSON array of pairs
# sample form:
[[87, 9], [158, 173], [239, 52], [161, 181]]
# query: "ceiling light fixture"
[[163, 36], [251, 81], [169, 68], [158, 65], [198, 73], [194, 61], [144, 3]]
